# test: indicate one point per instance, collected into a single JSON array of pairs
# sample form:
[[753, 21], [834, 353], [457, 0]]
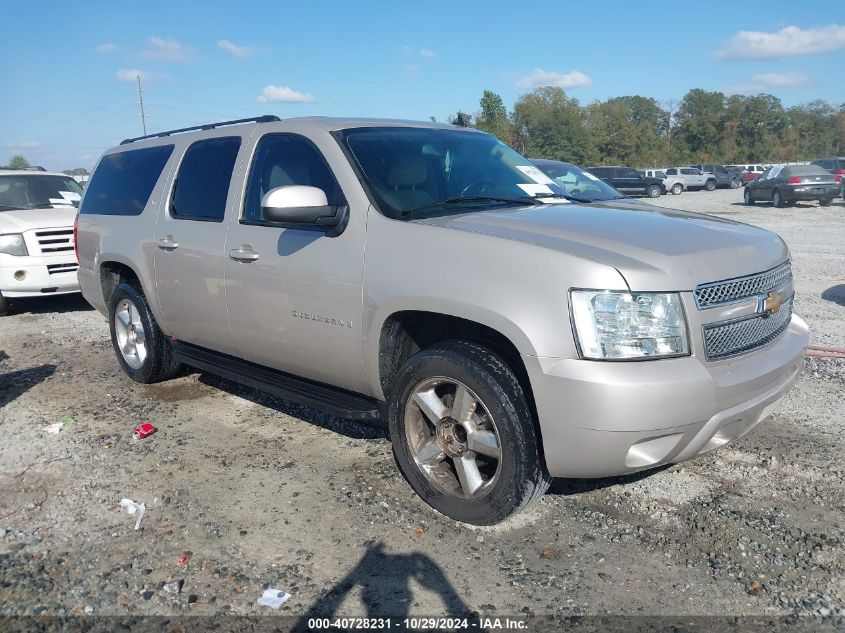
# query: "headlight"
[[13, 244], [622, 325]]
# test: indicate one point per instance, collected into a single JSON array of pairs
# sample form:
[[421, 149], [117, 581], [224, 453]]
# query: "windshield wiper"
[[49, 205], [458, 200]]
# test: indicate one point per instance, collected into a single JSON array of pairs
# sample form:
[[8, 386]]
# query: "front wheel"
[[735, 184], [826, 202], [777, 200], [145, 354], [654, 191], [749, 199], [463, 434], [4, 305], [677, 188], [711, 185]]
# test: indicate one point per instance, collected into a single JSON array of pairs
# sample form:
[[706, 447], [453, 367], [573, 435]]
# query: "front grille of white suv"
[[69, 267], [52, 241]]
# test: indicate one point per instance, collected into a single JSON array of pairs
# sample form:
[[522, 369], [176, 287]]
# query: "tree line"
[[641, 132]]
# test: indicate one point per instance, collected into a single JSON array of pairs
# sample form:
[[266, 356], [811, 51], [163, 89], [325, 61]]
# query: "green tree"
[[627, 131], [493, 117], [699, 128], [548, 124], [18, 162], [76, 171]]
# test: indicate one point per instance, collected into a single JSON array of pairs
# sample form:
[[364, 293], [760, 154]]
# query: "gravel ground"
[[256, 492]]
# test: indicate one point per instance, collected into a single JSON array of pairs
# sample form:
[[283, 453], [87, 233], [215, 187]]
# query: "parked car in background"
[[37, 210], [693, 179], [724, 177], [347, 264], [629, 181], [782, 185], [672, 184], [836, 166], [585, 188], [747, 173]]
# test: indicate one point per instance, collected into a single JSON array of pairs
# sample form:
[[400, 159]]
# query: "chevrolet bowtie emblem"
[[772, 302]]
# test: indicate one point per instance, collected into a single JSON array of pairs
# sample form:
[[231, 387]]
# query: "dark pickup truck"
[[629, 181]]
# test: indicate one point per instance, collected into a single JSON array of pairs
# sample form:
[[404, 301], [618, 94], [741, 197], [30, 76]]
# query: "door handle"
[[243, 254], [168, 243]]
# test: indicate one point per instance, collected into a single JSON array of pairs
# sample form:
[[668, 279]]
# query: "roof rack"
[[267, 118]]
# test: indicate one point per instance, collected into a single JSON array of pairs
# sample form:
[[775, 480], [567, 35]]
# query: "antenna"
[[141, 98]]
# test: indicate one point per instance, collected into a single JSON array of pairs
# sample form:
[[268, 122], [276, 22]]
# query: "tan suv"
[[430, 277]]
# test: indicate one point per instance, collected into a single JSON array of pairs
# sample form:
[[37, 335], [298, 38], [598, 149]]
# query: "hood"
[[653, 248], [27, 219]]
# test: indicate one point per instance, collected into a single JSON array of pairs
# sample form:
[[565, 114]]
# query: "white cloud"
[[786, 42], [282, 94], [167, 51], [767, 81], [106, 48], [539, 77], [424, 52], [241, 52], [130, 75]]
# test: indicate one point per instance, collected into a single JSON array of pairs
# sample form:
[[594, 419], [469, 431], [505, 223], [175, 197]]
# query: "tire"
[[826, 202], [749, 199], [654, 191], [130, 309], [777, 200], [710, 185], [4, 305], [495, 487], [677, 188], [735, 184]]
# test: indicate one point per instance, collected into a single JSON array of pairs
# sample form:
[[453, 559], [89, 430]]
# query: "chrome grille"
[[55, 240], [717, 293], [722, 340], [70, 267]]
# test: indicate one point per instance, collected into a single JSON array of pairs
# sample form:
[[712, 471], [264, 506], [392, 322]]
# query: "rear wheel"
[[777, 200], [711, 185], [145, 354], [735, 184], [654, 191], [677, 188], [4, 305], [463, 434], [826, 202], [749, 199]]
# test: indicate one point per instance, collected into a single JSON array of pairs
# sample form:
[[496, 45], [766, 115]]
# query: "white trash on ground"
[[274, 598], [133, 508]]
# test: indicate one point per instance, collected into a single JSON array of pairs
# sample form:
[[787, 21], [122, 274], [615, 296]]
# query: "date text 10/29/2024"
[[417, 623]]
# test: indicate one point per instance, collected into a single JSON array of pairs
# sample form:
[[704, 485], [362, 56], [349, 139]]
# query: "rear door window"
[[202, 185], [123, 181]]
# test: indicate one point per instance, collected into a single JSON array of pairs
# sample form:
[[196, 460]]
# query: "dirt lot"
[[258, 492]]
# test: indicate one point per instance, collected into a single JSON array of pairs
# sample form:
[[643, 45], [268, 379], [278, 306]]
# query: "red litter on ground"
[[183, 560], [143, 430]]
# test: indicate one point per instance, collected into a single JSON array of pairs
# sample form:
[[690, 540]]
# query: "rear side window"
[[202, 185], [123, 182]]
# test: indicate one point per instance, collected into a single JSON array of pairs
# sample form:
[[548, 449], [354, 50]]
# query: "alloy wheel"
[[453, 438], [130, 335]]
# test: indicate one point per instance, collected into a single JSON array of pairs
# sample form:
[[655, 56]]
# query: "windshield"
[[577, 182], [414, 171], [32, 191]]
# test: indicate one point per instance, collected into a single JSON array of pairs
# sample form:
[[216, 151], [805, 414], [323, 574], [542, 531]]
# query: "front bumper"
[[600, 419], [38, 276]]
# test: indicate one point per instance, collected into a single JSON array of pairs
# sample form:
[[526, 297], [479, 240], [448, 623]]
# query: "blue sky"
[[69, 69]]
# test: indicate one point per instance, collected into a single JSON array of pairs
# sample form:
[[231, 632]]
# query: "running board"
[[333, 400]]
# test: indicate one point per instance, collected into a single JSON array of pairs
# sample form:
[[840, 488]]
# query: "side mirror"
[[301, 207]]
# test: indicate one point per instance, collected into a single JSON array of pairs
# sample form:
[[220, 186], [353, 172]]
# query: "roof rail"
[[267, 118]]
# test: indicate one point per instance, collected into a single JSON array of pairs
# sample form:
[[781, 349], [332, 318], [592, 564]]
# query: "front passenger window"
[[287, 159]]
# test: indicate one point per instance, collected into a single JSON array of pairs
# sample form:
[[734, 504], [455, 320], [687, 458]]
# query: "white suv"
[[37, 212], [672, 184]]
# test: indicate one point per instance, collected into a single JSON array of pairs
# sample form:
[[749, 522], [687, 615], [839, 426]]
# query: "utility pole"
[[141, 98]]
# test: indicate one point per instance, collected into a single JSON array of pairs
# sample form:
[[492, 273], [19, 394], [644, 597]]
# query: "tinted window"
[[202, 185], [690, 172], [632, 173], [123, 182], [602, 172], [827, 164], [804, 170], [672, 172], [659, 174], [287, 159]]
